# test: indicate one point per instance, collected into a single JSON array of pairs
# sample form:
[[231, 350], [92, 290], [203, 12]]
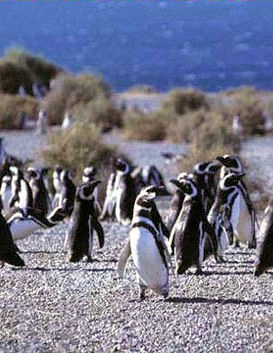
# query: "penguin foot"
[[251, 246], [236, 244], [142, 293], [220, 260], [199, 271], [89, 259]]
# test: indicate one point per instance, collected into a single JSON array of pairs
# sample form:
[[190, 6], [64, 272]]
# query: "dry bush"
[[11, 108], [181, 101], [12, 76], [138, 126], [142, 89], [100, 111], [38, 69], [78, 147], [244, 101], [69, 91]]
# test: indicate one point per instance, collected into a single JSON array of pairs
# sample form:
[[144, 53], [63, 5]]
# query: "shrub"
[[69, 91], [80, 146], [138, 126], [181, 101], [142, 89], [38, 69], [100, 111], [11, 108]]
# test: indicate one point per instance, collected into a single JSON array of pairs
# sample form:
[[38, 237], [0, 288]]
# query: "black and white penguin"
[[265, 255], [39, 191], [247, 213], [226, 206], [5, 193], [176, 202], [124, 192], [191, 230], [147, 245], [8, 251], [88, 176], [25, 222], [83, 223], [67, 121], [21, 193], [68, 190], [109, 206], [56, 176]]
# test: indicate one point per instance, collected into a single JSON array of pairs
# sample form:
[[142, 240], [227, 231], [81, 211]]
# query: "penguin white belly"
[[5, 197], [235, 213], [147, 260], [23, 196], [243, 229], [23, 228]]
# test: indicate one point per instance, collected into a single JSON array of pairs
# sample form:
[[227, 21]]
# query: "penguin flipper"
[[123, 258], [95, 224], [211, 236]]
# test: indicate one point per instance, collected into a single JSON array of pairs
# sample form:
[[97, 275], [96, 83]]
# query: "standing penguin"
[[191, 230], [68, 190], [57, 186], [124, 191], [67, 121], [5, 193], [83, 223], [226, 205], [21, 192], [8, 252], [247, 213], [265, 255], [109, 206], [176, 202], [147, 245], [39, 191]]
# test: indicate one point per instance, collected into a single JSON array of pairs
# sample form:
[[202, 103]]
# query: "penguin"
[[21, 192], [67, 192], [176, 202], [147, 245], [89, 174], [8, 253], [226, 207], [83, 223], [191, 230], [5, 193], [247, 212], [265, 255], [3, 151], [109, 206], [56, 179], [23, 223], [39, 191], [67, 121], [124, 192], [42, 122]]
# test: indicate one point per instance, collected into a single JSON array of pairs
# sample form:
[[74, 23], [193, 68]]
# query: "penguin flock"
[[209, 212]]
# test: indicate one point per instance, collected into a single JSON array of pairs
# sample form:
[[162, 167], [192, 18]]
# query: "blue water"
[[207, 44]]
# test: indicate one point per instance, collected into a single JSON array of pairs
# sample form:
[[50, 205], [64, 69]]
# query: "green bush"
[[70, 91], [181, 101], [11, 108], [78, 147], [139, 126]]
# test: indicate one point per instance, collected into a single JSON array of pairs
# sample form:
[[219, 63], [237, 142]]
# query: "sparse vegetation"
[[12, 107]]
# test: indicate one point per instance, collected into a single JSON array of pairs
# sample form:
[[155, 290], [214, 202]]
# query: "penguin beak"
[[176, 183], [221, 159]]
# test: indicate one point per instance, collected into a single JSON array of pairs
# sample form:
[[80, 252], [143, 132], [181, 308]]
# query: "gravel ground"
[[55, 307]]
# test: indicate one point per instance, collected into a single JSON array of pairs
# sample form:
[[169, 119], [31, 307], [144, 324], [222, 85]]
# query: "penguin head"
[[231, 162], [230, 180], [85, 191], [57, 172], [200, 168], [89, 174], [33, 173], [122, 166], [188, 186], [151, 192], [65, 175], [16, 173], [184, 176], [213, 167]]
